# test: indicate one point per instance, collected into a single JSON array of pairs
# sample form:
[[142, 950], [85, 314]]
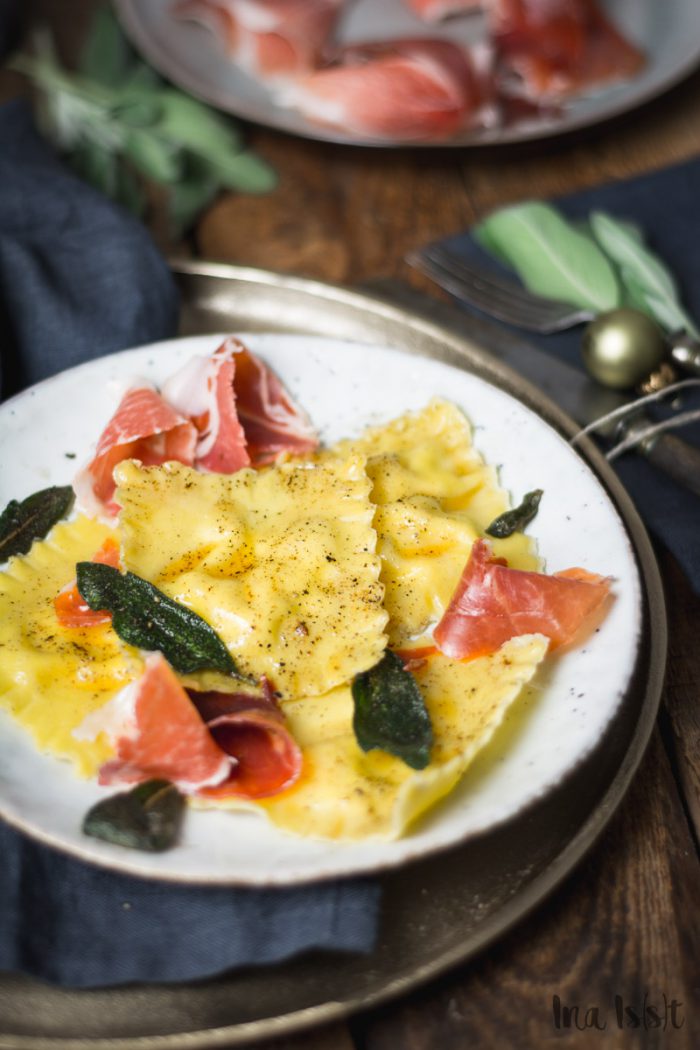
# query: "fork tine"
[[480, 299], [507, 292], [473, 296], [493, 297]]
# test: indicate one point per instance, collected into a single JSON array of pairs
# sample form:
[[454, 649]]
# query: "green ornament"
[[623, 347]]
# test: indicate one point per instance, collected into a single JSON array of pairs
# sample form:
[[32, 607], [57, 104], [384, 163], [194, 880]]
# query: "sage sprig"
[[647, 280], [145, 617], [598, 265], [517, 519], [390, 712], [122, 126], [551, 256], [31, 519], [147, 818]]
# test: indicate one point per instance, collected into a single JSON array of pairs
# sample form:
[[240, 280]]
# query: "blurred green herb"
[[648, 282], [120, 125], [598, 264]]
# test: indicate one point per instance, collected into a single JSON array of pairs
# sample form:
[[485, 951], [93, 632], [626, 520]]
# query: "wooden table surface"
[[627, 922]]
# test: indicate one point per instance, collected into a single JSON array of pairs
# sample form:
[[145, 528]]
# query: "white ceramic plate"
[[344, 386], [189, 55]]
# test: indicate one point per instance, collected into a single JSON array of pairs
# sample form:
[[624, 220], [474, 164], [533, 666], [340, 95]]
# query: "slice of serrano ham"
[[243, 414], [157, 732], [267, 38], [493, 603], [435, 10], [71, 608], [204, 390], [143, 427], [403, 90], [553, 49], [251, 729], [272, 422]]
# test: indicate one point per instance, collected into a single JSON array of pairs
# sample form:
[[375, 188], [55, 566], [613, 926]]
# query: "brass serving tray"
[[436, 912]]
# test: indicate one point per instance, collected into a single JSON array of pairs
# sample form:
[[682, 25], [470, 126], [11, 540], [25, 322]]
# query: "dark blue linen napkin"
[[81, 926], [666, 205], [80, 278]]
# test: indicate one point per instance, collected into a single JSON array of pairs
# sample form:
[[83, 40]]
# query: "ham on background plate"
[[267, 38], [397, 89], [436, 10], [553, 49]]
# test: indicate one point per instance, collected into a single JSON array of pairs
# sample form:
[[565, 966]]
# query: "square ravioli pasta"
[[434, 496], [281, 562]]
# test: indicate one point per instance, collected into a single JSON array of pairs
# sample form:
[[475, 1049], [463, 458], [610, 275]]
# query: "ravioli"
[[307, 570], [434, 496], [345, 793], [51, 677], [281, 562]]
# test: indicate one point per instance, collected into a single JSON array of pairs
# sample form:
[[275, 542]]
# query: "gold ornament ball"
[[620, 348]]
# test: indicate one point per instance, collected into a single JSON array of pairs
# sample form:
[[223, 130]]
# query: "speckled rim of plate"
[[605, 106], [513, 878]]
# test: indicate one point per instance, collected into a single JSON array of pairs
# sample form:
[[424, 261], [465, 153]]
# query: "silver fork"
[[494, 295]]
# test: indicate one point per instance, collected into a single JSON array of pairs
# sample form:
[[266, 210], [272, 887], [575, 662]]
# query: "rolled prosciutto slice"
[[404, 90], [252, 731], [143, 427], [435, 10], [493, 603], [551, 49], [243, 414], [267, 38], [157, 732]]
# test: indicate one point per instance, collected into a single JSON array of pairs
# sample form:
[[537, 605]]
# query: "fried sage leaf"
[[390, 712], [518, 518], [148, 817], [22, 523], [145, 617]]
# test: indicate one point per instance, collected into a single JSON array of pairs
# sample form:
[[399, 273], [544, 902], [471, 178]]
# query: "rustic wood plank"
[[682, 724], [339, 213], [625, 924]]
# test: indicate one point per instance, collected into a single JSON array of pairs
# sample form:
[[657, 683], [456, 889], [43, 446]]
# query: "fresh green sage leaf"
[[106, 54], [390, 712], [142, 81], [243, 171], [147, 818], [96, 165], [129, 192], [137, 111], [154, 157], [188, 198], [518, 518], [145, 617], [31, 519], [189, 123], [648, 280], [551, 257]]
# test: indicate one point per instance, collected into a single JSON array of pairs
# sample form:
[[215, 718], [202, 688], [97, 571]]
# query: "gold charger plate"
[[436, 912]]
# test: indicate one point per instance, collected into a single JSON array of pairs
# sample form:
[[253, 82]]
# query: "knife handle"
[[675, 457]]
